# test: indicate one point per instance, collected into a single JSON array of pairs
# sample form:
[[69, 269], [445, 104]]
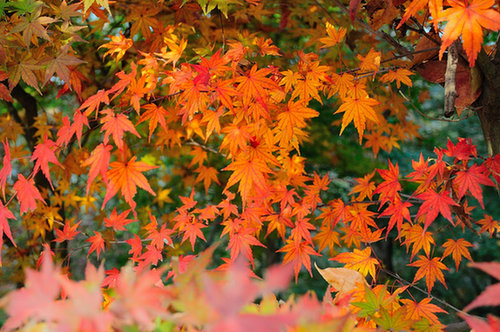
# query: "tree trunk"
[[488, 104]]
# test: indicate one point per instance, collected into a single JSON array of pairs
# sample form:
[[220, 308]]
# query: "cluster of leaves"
[[226, 118]]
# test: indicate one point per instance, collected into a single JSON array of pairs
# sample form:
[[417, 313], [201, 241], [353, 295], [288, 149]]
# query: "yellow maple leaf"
[[359, 260], [357, 110]]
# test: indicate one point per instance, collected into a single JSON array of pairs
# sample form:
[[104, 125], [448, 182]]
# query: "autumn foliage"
[[163, 147]]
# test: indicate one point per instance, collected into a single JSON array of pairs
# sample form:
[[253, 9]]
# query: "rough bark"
[[488, 104]]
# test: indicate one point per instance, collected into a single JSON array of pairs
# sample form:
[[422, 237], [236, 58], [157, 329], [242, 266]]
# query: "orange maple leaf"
[[250, 173], [414, 234], [468, 18], [400, 76], [299, 253], [359, 260], [255, 85], [430, 268], [334, 35], [457, 249], [118, 44], [126, 177], [155, 114], [364, 188], [241, 242], [417, 310], [357, 109]]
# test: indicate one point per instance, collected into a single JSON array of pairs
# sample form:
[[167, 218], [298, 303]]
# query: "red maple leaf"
[[98, 162], [97, 244], [471, 179], [116, 125], [43, 154], [27, 193], [435, 203], [118, 221], [67, 233], [6, 167], [491, 295], [4, 226], [390, 187]]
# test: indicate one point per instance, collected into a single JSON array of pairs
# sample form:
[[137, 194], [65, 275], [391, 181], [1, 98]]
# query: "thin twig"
[[430, 117], [401, 49]]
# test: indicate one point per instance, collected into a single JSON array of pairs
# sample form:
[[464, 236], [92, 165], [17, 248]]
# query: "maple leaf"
[[27, 193], [388, 189], [97, 244], [435, 8], [470, 180], [5, 214], [491, 295], [457, 249], [334, 35], [155, 114], [250, 173], [36, 299], [255, 85], [240, 242], [68, 232], [207, 175], [299, 253], [192, 231], [6, 170], [116, 125], [400, 76], [118, 221], [414, 234], [43, 154], [98, 162], [359, 260], [326, 237], [430, 268], [4, 91], [488, 225], [293, 118], [118, 44], [125, 177], [59, 65], [398, 210], [25, 70], [93, 102], [136, 246], [364, 188], [416, 310], [111, 278], [434, 204], [357, 110], [343, 280], [468, 18], [89, 3]]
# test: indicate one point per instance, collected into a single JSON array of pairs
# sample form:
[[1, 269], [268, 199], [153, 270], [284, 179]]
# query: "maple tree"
[[188, 146]]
